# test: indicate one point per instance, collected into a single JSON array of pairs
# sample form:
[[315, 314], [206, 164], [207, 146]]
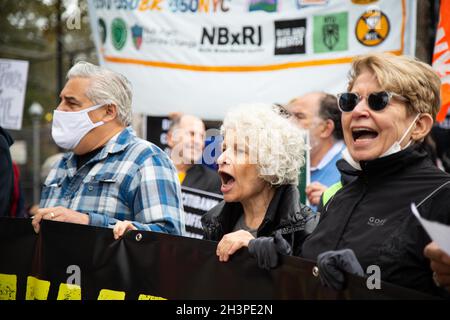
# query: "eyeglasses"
[[377, 101], [281, 110]]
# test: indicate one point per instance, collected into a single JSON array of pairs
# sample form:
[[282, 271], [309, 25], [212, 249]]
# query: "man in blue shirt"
[[109, 174], [318, 113]]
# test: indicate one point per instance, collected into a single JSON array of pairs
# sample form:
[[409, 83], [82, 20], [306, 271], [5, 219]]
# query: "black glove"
[[333, 264], [266, 249]]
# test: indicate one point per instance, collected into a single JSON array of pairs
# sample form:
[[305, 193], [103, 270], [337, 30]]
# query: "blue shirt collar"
[[116, 144]]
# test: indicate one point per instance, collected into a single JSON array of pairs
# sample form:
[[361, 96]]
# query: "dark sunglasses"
[[377, 101]]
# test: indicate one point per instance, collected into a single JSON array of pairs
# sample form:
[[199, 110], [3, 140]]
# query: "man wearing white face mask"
[[318, 113], [387, 112], [109, 174]]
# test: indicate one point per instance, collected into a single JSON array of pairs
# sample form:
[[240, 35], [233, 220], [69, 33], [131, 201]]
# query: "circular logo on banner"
[[102, 29], [372, 28], [118, 33]]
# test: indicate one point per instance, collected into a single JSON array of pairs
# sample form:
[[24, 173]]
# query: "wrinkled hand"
[[121, 227], [60, 214], [440, 264], [314, 191], [266, 250], [232, 242], [333, 265]]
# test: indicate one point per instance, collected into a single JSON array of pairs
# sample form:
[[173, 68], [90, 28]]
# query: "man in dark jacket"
[[6, 173], [186, 138]]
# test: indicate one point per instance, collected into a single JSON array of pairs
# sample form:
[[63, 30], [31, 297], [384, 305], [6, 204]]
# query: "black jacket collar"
[[382, 167], [283, 211]]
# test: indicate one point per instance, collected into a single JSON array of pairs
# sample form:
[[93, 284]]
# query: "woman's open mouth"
[[363, 134], [227, 181]]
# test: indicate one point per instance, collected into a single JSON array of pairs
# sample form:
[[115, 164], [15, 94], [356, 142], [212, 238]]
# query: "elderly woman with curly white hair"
[[259, 168]]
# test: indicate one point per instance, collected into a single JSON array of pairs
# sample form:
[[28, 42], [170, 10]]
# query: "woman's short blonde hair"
[[276, 143], [406, 76]]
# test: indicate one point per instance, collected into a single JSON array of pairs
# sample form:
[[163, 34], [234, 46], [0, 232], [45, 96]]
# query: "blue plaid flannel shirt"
[[129, 179]]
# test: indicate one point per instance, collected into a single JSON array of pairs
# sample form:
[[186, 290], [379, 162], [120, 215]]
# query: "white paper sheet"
[[439, 232]]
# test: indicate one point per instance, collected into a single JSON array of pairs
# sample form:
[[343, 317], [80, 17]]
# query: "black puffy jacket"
[[284, 213], [371, 215]]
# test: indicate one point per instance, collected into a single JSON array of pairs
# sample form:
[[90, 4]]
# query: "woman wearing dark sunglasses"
[[388, 110]]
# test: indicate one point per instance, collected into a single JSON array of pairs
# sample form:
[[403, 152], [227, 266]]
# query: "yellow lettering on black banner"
[[149, 297], [69, 292], [106, 294], [37, 289], [8, 286]]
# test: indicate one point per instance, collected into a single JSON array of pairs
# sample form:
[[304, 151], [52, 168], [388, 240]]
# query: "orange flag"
[[441, 57]]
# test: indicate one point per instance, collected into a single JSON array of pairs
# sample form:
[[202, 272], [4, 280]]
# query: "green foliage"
[[28, 31]]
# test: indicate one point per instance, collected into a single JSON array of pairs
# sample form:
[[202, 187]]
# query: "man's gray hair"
[[107, 87]]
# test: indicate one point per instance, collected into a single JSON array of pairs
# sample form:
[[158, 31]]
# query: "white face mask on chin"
[[69, 128], [396, 147]]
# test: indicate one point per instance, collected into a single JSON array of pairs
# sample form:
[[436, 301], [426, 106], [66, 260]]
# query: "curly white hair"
[[277, 144]]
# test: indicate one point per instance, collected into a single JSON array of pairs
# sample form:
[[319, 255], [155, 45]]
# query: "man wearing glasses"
[[318, 113]]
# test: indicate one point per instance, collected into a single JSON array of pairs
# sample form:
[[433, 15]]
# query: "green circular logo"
[[118, 33]]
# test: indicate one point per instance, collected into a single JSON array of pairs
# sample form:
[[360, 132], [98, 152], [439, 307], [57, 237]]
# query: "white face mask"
[[347, 157], [396, 146], [69, 128]]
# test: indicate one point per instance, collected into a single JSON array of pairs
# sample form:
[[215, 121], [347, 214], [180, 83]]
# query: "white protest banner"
[[204, 56], [13, 84]]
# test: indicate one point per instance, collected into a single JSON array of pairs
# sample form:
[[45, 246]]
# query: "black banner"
[[195, 204], [149, 265]]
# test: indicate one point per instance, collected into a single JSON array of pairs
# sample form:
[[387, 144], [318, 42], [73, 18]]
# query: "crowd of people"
[[369, 159]]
